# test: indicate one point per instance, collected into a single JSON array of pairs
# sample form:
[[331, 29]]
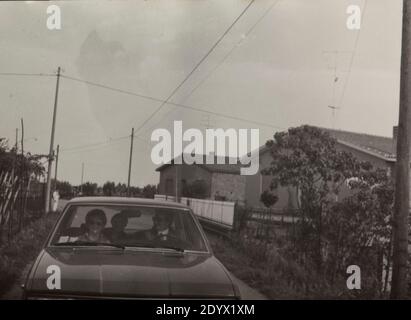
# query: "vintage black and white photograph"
[[205, 149]]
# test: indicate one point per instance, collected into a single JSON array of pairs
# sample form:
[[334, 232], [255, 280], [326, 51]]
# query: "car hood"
[[130, 273]]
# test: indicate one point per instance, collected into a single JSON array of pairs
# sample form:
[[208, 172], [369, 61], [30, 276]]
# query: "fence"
[[17, 198], [276, 216], [217, 212]]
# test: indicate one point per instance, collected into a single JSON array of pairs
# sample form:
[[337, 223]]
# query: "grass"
[[279, 277], [22, 250]]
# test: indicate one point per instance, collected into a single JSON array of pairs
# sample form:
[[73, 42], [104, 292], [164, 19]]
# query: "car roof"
[[127, 200]]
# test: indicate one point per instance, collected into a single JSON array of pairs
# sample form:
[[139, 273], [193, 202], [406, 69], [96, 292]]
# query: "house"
[[224, 182], [379, 151], [216, 181]]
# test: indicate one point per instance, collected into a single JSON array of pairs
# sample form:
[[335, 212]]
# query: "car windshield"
[[128, 226]]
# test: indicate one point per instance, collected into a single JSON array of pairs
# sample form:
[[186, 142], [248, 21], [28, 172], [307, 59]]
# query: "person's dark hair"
[[119, 217], [96, 213]]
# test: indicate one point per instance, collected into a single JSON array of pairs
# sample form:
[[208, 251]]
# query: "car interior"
[[133, 225]]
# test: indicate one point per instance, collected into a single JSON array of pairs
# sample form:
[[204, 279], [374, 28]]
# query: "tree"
[[89, 189], [109, 188], [149, 191], [307, 159], [135, 191], [65, 189], [268, 198], [358, 228], [121, 189]]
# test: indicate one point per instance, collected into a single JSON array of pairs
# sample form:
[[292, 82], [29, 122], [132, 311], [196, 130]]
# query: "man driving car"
[[162, 229]]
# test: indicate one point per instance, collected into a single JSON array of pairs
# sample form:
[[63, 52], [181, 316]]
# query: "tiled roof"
[[221, 168], [378, 146], [372, 144]]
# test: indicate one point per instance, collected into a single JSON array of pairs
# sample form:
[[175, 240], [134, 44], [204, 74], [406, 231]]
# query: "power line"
[[99, 145], [112, 88], [91, 145], [233, 48], [265, 124], [222, 60], [196, 66], [16, 74], [352, 57]]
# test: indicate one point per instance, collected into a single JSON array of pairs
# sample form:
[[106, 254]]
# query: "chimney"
[[394, 139]]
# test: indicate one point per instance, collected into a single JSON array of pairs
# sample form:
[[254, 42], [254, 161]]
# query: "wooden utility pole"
[[401, 206], [82, 177], [22, 174], [13, 184], [50, 157], [129, 164], [55, 169], [178, 187]]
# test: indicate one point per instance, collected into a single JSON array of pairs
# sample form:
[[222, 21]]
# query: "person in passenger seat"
[[118, 222], [95, 222]]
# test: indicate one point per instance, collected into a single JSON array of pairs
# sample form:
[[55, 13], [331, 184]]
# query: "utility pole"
[[82, 177], [13, 174], [15, 154], [177, 182], [55, 169], [22, 182], [129, 164], [399, 284], [50, 160]]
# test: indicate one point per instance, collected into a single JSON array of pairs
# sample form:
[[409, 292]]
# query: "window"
[[135, 226], [169, 186]]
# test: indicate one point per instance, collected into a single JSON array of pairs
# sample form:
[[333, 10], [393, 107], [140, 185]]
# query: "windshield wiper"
[[86, 243], [147, 245]]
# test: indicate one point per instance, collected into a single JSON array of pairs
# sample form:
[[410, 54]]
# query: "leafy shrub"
[[22, 249]]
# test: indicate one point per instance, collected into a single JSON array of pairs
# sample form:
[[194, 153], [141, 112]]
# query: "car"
[[127, 248]]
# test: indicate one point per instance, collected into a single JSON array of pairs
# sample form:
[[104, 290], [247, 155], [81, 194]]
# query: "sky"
[[276, 66]]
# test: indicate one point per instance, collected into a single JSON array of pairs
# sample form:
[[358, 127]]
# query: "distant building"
[[219, 181]]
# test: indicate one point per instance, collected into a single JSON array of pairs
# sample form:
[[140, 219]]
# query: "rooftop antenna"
[[206, 121], [334, 66], [333, 108]]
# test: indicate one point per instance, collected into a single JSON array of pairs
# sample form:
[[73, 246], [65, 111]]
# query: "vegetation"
[[18, 172], [64, 188], [345, 209], [22, 250], [268, 198], [332, 233]]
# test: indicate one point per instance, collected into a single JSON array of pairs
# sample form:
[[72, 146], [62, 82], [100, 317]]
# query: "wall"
[[258, 183], [189, 173], [231, 186]]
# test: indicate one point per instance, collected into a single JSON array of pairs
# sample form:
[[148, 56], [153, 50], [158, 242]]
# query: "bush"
[[22, 249], [268, 199]]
